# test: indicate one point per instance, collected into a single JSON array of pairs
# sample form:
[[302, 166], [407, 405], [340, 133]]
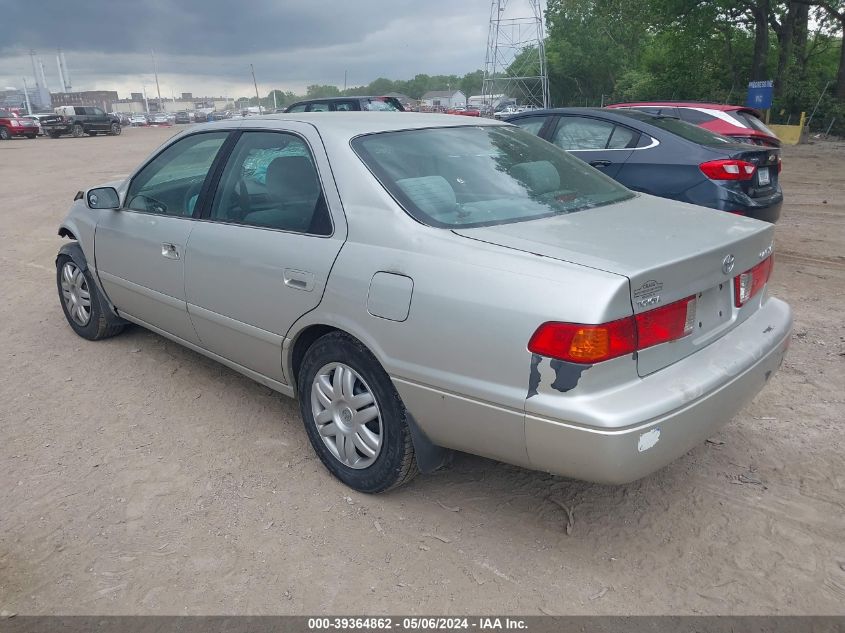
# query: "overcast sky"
[[206, 46]]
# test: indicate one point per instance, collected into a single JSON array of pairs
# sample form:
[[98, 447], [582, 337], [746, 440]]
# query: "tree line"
[[605, 51]]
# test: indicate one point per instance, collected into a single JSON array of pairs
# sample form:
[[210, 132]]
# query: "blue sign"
[[760, 94]]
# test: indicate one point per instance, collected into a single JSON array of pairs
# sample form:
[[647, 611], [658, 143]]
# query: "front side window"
[[319, 107], [460, 177], [575, 132], [170, 184], [270, 181], [298, 108]]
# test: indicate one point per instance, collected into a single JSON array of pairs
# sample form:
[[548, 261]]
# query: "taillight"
[[581, 343], [749, 283], [728, 169], [780, 164], [665, 324]]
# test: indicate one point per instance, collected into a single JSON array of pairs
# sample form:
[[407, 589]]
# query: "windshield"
[[747, 118], [460, 177], [683, 129]]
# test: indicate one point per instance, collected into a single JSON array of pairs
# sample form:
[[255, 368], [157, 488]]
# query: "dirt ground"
[[137, 477]]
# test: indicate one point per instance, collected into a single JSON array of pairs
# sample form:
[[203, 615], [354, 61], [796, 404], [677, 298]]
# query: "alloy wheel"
[[76, 295]]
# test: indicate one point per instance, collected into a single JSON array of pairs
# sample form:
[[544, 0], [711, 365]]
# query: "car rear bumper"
[[711, 385], [56, 128], [716, 196]]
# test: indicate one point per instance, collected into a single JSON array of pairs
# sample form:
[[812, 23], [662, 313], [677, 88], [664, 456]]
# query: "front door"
[[140, 248], [262, 254]]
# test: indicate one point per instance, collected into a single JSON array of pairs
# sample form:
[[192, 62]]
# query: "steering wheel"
[[189, 202]]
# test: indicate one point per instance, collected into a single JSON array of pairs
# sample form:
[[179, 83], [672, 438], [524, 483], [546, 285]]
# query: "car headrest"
[[432, 194], [292, 176], [539, 176]]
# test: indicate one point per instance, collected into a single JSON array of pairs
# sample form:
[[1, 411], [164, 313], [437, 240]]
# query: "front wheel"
[[353, 415], [115, 129], [80, 299], [77, 131]]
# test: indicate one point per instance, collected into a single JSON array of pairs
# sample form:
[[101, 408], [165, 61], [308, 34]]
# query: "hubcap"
[[75, 293], [347, 415]]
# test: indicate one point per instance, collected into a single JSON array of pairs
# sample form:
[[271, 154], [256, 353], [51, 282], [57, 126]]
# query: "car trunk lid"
[[667, 250]]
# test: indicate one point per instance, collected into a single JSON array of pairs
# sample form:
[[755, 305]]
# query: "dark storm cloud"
[[208, 27], [206, 46]]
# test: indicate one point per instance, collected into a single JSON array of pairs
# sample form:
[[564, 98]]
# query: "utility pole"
[[158, 88], [26, 96], [275, 105], [146, 103], [255, 83], [344, 81]]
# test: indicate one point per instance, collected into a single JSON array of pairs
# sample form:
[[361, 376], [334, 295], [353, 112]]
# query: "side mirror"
[[103, 198]]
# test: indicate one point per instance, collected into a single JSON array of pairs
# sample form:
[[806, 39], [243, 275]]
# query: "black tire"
[[54, 134], [115, 129], [395, 464], [101, 324], [77, 130], [4, 134], [31, 135]]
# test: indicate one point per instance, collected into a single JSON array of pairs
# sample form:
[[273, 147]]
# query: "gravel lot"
[[137, 477]]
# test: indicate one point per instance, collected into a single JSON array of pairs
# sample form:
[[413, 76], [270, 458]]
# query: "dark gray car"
[[666, 157]]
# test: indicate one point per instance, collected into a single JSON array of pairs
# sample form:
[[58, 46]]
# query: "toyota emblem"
[[728, 264]]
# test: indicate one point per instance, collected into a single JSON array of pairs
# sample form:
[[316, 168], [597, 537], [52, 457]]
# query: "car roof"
[[352, 124], [347, 98], [682, 104]]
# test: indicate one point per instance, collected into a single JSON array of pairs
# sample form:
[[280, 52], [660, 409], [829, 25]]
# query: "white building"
[[444, 99]]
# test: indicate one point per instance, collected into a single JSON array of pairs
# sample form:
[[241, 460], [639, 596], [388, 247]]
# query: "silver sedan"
[[425, 283]]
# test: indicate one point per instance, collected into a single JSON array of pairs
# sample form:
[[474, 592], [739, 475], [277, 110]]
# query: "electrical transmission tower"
[[515, 66]]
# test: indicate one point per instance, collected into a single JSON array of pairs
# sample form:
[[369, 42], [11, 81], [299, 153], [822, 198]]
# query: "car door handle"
[[299, 279], [170, 251], [600, 163]]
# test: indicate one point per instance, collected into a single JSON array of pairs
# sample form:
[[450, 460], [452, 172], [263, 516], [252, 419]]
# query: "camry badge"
[[728, 264]]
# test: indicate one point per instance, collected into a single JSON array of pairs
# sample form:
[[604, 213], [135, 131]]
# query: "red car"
[[738, 122], [13, 125], [468, 111]]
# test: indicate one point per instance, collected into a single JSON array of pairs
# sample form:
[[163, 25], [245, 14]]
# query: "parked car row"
[[667, 157], [449, 284]]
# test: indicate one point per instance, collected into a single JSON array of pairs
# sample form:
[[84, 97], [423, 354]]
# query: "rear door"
[[262, 254], [603, 144], [140, 248], [99, 120]]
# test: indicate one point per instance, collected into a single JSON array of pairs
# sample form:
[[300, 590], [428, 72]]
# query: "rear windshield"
[[751, 121], [683, 129], [460, 177]]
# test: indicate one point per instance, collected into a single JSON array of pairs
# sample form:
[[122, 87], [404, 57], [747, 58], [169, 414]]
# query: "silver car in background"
[[424, 283]]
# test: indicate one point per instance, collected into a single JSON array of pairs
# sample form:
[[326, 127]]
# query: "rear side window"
[[270, 181], [575, 132], [622, 137], [384, 104], [345, 106], [690, 115], [531, 124]]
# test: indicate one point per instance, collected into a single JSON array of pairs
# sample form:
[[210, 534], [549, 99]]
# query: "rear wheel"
[[353, 415], [81, 303], [77, 130], [115, 129], [4, 134]]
